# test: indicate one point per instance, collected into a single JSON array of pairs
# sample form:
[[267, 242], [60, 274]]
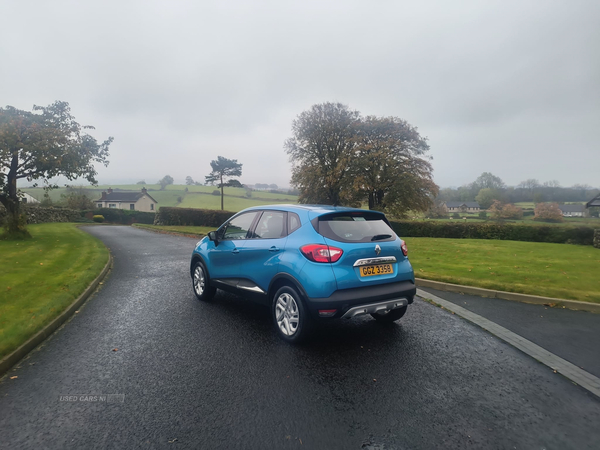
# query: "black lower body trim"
[[344, 299]]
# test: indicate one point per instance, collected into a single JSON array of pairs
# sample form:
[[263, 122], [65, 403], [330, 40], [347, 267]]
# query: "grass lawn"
[[200, 231], [552, 270], [41, 276]]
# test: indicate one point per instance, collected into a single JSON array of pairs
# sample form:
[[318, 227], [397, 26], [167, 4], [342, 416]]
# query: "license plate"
[[379, 269]]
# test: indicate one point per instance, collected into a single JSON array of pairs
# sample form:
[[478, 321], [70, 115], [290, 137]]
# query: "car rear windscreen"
[[354, 227]]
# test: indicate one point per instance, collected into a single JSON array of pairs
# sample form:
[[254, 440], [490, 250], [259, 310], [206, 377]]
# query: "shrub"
[[548, 212], [191, 217], [98, 218], [490, 230], [216, 192], [456, 216], [483, 215], [438, 211], [507, 211]]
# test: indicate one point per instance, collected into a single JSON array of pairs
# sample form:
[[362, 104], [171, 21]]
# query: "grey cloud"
[[179, 82]]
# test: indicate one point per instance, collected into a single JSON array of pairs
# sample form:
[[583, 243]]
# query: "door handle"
[[274, 249], [235, 250]]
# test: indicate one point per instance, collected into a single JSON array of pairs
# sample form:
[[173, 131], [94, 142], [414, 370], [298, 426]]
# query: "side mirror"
[[212, 235]]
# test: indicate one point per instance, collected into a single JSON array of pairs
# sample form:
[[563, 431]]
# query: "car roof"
[[317, 210]]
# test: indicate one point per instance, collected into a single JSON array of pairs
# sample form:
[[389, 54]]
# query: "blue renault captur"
[[307, 263]]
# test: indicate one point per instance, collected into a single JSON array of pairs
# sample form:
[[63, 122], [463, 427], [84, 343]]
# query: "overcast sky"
[[509, 87]]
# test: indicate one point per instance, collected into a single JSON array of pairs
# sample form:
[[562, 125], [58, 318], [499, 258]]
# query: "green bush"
[[98, 218], [216, 192], [483, 215], [456, 216], [191, 217], [489, 230]]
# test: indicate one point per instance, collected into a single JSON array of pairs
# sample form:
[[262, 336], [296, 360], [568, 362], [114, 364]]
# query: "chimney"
[[144, 191], [110, 190], [103, 195]]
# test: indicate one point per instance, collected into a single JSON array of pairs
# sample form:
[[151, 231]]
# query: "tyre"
[[200, 285], [292, 319], [390, 316]]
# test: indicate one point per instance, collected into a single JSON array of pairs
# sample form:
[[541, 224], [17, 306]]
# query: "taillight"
[[404, 248], [321, 253]]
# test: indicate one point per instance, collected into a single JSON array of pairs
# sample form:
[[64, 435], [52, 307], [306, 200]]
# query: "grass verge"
[[42, 276], [551, 270], [196, 231]]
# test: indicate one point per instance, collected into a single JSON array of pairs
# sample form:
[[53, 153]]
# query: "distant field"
[[207, 201], [196, 196]]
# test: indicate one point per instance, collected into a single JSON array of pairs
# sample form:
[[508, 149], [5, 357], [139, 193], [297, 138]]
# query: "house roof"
[[593, 202], [459, 204], [571, 208], [124, 196]]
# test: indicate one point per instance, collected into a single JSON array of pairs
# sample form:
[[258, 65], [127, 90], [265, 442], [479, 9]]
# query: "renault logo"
[[377, 249]]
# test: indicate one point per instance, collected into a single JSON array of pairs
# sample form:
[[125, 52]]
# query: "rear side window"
[[354, 227], [293, 222], [271, 225]]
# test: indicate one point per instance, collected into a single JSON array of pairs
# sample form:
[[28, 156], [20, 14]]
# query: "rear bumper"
[[343, 300]]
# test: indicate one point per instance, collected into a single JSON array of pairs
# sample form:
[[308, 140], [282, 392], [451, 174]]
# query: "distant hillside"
[[235, 199]]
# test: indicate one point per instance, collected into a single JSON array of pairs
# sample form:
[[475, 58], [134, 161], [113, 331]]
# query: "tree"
[[529, 184], [223, 168], [488, 180], [486, 197], [390, 168], [338, 157], [41, 145], [165, 181], [321, 150], [141, 182], [77, 199], [189, 181], [234, 183], [273, 186]]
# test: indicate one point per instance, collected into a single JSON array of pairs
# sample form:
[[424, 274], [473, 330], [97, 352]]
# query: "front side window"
[[238, 227], [354, 227], [271, 225]]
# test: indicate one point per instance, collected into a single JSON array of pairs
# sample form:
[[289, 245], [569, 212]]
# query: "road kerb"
[[562, 366], [513, 296], [18, 354]]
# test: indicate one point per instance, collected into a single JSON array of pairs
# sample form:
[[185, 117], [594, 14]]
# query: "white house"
[[134, 201], [572, 210], [26, 198], [462, 207]]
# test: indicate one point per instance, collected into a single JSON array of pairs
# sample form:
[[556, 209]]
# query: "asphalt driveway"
[[178, 373]]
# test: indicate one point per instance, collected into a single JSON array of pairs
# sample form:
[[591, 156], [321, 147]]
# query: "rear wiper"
[[378, 237]]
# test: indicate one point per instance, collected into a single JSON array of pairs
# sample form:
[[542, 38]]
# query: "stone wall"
[[597, 238], [40, 214]]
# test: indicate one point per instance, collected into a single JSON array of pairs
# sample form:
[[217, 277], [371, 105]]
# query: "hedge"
[[122, 216], [168, 215], [535, 233]]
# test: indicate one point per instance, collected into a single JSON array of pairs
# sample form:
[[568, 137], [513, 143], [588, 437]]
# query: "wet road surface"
[[197, 375], [572, 335]]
